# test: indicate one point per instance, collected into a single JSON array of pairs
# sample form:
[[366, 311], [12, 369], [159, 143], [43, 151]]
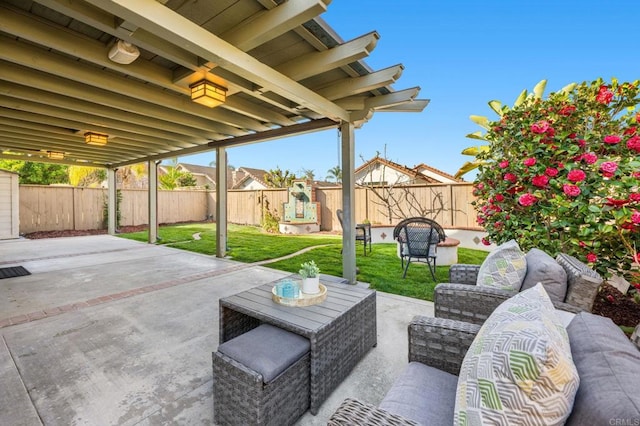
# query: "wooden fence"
[[55, 208]]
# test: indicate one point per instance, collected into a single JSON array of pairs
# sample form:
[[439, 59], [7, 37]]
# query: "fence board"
[[48, 208]]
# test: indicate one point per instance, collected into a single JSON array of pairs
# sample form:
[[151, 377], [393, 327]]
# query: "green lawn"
[[381, 268]]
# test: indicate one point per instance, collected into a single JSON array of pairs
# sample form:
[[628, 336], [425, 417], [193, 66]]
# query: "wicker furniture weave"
[[604, 358], [418, 238], [462, 300], [242, 398], [341, 330], [439, 343]]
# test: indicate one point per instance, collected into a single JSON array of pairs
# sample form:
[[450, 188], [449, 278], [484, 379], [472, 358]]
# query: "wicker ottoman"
[[261, 378]]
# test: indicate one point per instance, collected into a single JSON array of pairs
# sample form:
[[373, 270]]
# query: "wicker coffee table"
[[341, 329]]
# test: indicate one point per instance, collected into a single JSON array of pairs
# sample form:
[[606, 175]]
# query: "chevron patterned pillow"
[[519, 368], [504, 268]]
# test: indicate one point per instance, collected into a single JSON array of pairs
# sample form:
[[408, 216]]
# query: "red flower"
[[616, 203], [610, 298], [612, 139], [529, 161], [592, 258], [630, 131], [589, 157], [634, 197], [486, 242], [500, 197], [503, 164], [634, 143], [576, 175], [571, 190], [582, 143], [582, 244], [608, 168], [510, 177], [540, 181], [540, 127], [551, 172], [635, 174], [527, 199], [572, 136], [635, 217], [551, 132], [567, 110], [604, 95], [480, 220]]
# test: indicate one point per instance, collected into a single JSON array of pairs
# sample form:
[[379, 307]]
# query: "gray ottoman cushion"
[[423, 394], [266, 349], [607, 363], [542, 268]]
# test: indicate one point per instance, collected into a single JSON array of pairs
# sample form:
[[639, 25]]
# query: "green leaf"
[[475, 150], [496, 106], [568, 88], [480, 121], [476, 135], [521, 98], [538, 91], [467, 167]]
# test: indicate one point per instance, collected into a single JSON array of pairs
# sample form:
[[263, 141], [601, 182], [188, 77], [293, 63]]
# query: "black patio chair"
[[418, 238], [363, 232]]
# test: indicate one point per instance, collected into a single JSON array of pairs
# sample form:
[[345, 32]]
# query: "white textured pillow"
[[519, 368], [504, 268]]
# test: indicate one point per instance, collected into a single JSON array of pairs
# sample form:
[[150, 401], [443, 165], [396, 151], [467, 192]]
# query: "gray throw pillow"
[[542, 268]]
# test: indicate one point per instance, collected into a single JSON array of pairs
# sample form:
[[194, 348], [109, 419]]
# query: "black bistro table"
[[341, 329]]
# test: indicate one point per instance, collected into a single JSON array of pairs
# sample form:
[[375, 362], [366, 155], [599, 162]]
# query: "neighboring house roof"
[[256, 174], [414, 176], [422, 168], [209, 173], [421, 173]]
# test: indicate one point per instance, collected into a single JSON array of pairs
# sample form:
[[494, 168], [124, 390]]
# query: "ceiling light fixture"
[[55, 155], [96, 139], [207, 93]]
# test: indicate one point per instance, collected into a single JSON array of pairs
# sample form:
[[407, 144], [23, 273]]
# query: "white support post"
[[152, 166], [348, 202], [112, 194], [221, 202]]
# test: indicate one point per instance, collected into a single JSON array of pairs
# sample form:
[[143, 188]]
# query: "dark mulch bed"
[[69, 233], [620, 308]]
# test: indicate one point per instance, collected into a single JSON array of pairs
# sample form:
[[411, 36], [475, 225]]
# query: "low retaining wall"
[[468, 238]]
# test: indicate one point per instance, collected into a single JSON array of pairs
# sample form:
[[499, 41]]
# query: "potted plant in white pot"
[[310, 280]]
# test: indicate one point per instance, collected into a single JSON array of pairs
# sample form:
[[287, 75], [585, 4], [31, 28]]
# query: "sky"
[[462, 54]]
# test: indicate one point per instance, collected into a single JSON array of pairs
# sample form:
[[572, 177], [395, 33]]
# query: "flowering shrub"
[[563, 173]]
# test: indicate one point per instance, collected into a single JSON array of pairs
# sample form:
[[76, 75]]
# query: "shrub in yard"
[[562, 173]]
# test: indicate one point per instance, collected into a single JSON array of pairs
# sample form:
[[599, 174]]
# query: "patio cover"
[[287, 72]]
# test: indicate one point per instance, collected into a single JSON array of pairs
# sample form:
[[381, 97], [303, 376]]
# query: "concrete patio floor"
[[108, 331]]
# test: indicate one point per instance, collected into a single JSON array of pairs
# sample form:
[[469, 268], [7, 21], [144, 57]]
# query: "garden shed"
[[9, 225]]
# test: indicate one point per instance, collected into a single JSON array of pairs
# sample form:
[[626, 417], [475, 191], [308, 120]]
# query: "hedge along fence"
[[56, 208]]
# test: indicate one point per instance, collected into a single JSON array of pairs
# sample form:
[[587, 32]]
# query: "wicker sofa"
[[425, 392], [461, 299]]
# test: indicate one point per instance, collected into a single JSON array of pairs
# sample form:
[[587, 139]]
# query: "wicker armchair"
[[462, 300], [436, 342], [418, 238]]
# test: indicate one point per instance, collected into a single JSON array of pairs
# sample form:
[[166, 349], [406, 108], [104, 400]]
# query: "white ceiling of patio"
[[285, 71]]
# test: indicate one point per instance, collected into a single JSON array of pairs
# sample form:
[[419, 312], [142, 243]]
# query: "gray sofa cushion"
[[542, 268], [608, 366], [423, 394], [266, 349]]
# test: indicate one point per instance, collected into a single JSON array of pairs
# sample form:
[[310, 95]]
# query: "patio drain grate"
[[13, 271]]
